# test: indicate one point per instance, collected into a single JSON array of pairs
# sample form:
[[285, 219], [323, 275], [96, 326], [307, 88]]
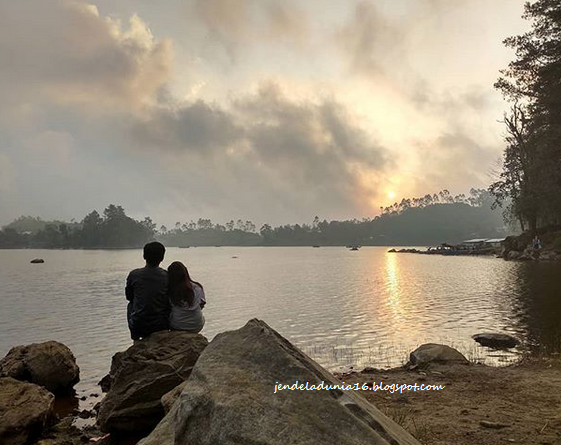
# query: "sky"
[[270, 110]]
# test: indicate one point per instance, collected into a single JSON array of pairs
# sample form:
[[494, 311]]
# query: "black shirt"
[[149, 307]]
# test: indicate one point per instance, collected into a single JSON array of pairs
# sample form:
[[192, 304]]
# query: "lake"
[[344, 308]]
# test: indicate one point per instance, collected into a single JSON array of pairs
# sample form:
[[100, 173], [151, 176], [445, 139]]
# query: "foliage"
[[112, 230], [431, 219], [30, 224], [556, 244], [531, 175]]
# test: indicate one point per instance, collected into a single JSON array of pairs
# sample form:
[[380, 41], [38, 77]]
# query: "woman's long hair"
[[180, 288]]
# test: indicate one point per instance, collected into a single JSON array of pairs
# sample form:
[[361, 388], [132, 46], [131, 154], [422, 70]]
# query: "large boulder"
[[432, 353], [230, 399], [141, 375], [169, 398], [495, 340], [25, 411], [50, 365]]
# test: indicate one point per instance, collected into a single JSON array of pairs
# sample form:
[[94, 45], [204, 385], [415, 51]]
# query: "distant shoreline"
[[389, 246]]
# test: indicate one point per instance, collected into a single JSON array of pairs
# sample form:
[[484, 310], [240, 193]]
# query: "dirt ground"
[[521, 403]]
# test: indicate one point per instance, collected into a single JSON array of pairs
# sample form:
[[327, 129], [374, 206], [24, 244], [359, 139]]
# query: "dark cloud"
[[199, 127], [304, 151]]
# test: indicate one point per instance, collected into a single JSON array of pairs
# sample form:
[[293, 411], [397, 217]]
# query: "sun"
[[390, 195]]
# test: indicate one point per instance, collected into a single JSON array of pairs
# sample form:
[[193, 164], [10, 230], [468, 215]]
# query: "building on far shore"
[[495, 242], [481, 243]]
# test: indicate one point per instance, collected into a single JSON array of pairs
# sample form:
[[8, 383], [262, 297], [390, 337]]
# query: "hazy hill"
[[429, 220]]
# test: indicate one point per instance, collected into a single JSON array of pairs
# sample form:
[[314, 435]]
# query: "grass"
[[352, 357], [405, 417]]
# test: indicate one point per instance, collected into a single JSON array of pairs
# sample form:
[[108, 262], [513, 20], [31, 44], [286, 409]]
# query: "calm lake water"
[[344, 308]]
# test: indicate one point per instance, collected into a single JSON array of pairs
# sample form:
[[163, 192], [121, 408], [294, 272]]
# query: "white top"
[[198, 298], [187, 317]]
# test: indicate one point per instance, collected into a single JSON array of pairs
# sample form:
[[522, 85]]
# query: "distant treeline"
[[431, 219]]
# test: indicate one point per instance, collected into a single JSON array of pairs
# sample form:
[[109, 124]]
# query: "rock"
[[86, 414], [63, 433], [529, 254], [430, 353], [169, 398], [141, 375], [25, 411], [549, 255], [229, 399], [105, 382], [494, 340], [392, 251], [512, 255], [37, 261], [50, 365]]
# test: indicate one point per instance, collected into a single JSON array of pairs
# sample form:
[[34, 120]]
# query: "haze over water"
[[344, 308]]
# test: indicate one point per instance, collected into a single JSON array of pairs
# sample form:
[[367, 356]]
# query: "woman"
[[187, 300]]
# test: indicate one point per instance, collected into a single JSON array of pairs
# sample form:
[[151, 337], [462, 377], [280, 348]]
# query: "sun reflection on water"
[[394, 296]]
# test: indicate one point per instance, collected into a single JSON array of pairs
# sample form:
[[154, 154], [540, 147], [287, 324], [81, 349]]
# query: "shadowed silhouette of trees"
[[531, 176], [430, 219]]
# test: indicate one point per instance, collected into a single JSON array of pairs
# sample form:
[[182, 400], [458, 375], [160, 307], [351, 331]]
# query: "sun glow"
[[391, 195]]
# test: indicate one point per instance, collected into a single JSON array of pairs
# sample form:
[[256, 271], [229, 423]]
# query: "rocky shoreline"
[[519, 248], [177, 387], [514, 248]]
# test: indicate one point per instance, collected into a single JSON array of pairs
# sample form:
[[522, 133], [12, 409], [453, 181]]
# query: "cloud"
[[7, 174], [304, 154], [369, 39], [198, 126], [239, 24], [63, 51], [325, 109]]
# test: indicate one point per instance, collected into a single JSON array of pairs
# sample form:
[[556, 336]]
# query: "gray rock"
[[513, 255], [169, 398], [37, 261], [50, 365], [65, 433], [25, 411], [432, 353], [229, 399], [529, 254], [141, 375], [495, 340]]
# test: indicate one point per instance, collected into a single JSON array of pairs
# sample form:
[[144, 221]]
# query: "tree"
[[517, 181], [91, 230], [531, 175]]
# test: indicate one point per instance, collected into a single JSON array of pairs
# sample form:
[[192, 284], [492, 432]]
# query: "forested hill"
[[429, 220]]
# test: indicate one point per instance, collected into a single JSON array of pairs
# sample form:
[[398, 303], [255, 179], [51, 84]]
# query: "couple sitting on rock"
[[160, 300]]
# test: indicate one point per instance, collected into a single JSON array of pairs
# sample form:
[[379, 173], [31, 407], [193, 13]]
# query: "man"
[[148, 309]]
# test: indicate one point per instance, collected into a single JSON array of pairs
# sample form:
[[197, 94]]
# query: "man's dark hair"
[[154, 253]]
